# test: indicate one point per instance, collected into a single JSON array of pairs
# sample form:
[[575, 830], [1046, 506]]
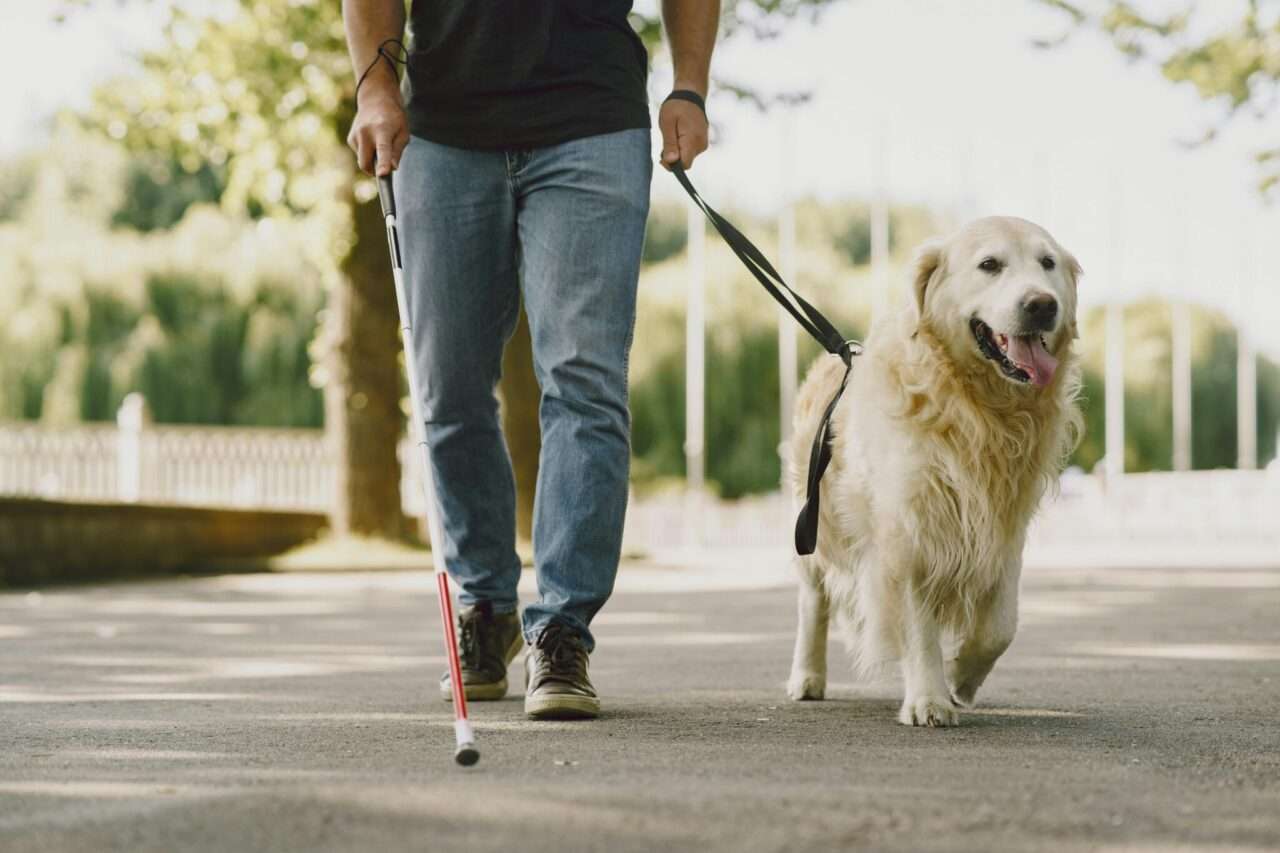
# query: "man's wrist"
[[688, 96], [691, 85], [379, 86]]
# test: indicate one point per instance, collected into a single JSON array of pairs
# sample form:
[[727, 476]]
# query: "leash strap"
[[813, 322]]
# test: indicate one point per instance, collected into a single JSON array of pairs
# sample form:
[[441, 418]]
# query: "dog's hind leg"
[[991, 633], [809, 665], [927, 701]]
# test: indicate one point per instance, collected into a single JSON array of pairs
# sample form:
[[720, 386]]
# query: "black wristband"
[[690, 96]]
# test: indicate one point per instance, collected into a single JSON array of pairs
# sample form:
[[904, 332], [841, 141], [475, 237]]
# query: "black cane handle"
[[387, 195]]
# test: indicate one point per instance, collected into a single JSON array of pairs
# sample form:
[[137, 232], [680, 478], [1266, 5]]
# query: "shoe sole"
[[561, 706], [494, 690]]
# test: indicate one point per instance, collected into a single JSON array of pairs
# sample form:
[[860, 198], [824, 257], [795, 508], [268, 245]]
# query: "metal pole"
[[1246, 400], [1114, 396], [1114, 402], [1181, 386], [788, 366], [880, 235], [695, 374], [1246, 362], [787, 357]]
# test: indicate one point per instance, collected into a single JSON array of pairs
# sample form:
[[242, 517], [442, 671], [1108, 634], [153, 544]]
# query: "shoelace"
[[560, 648], [468, 641]]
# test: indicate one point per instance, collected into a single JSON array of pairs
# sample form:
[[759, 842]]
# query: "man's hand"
[[684, 132], [380, 130]]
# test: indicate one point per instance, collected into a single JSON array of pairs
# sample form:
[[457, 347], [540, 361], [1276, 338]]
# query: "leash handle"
[[817, 325]]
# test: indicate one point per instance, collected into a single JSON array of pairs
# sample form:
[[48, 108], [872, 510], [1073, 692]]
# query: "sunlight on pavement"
[[642, 617], [1167, 579], [292, 583], [692, 638], [19, 696], [251, 668], [1186, 651], [1075, 605], [106, 790], [1019, 712], [144, 755], [97, 661], [222, 629], [189, 607], [1043, 663]]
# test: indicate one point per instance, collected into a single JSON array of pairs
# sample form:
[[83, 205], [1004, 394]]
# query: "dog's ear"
[[1074, 270], [1074, 274], [927, 264]]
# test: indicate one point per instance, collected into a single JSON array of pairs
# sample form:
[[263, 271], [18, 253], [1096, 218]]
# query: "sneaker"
[[556, 683], [487, 642]]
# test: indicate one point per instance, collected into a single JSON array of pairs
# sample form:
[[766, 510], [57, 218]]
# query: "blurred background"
[[199, 360]]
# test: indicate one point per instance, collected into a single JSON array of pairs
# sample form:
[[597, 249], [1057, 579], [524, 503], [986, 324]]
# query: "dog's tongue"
[[1029, 354]]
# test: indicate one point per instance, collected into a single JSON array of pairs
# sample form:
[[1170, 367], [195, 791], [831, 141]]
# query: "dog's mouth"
[[1022, 358]]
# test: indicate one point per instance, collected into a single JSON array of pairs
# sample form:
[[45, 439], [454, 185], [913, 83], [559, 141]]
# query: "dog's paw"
[[930, 711], [807, 686]]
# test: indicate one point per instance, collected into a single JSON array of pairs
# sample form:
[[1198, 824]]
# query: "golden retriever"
[[958, 417]]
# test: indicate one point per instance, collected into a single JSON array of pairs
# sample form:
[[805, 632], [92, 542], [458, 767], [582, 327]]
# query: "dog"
[[958, 417]]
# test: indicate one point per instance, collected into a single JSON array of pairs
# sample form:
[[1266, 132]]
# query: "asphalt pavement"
[[1137, 710]]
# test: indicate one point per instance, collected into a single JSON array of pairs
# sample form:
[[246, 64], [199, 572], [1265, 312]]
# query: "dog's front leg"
[[991, 633], [927, 701], [809, 664]]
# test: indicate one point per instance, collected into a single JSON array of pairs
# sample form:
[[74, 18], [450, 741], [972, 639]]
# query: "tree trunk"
[[520, 397], [362, 395]]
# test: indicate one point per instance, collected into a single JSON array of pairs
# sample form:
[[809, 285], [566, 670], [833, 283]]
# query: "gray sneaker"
[[487, 642], [556, 682]]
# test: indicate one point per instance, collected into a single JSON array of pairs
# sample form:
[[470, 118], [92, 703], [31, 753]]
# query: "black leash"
[[813, 322]]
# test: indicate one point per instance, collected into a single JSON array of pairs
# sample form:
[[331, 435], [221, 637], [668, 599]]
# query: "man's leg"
[[582, 210], [456, 213]]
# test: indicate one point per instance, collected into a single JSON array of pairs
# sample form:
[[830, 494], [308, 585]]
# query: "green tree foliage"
[[666, 232], [159, 190], [197, 353], [743, 416], [210, 318], [1236, 67], [17, 179], [260, 93]]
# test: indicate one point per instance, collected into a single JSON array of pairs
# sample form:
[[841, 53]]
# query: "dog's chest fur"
[[953, 469]]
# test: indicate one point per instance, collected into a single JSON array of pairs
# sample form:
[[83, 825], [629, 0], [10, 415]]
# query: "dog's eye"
[[989, 265], [1048, 263]]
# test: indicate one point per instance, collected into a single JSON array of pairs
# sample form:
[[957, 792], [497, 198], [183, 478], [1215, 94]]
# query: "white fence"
[[293, 469], [212, 466], [206, 466]]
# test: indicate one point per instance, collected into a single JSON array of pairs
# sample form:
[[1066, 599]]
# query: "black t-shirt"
[[524, 73]]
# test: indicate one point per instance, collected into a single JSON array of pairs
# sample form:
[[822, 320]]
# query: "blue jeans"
[[564, 227]]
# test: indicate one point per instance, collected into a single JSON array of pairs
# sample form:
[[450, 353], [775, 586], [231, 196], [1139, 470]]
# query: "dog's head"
[[1000, 291]]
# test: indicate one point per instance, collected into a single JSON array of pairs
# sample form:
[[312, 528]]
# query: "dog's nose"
[[1040, 308]]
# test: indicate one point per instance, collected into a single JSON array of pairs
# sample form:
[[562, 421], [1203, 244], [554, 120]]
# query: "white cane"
[[466, 753]]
